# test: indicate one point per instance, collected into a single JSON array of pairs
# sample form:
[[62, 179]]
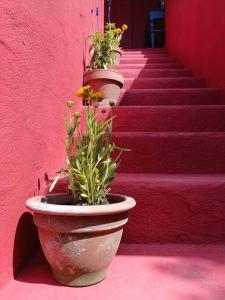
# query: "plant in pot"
[[116, 36], [80, 231], [100, 74]]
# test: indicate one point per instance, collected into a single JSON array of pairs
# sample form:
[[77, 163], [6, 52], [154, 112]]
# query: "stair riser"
[[155, 73], [147, 56], [164, 83], [171, 212], [149, 66], [146, 51], [172, 153], [146, 60], [170, 119], [172, 97]]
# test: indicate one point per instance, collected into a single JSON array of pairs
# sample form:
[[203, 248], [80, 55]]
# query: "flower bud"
[[77, 115], [111, 103], [124, 27], [69, 104]]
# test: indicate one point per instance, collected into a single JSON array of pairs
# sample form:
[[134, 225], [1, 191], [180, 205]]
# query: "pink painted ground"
[[155, 272]]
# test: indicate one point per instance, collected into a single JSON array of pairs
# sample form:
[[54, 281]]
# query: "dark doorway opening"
[[135, 13]]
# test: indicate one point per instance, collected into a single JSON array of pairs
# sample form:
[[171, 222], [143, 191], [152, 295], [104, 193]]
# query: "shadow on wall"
[[26, 242]]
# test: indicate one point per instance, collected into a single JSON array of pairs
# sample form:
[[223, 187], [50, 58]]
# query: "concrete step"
[[155, 272], [151, 73], [186, 118], [151, 66], [174, 207], [197, 96], [164, 83], [171, 208], [145, 55], [146, 50], [172, 152], [142, 60]]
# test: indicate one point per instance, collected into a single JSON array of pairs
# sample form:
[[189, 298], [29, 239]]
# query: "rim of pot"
[[39, 204], [104, 74]]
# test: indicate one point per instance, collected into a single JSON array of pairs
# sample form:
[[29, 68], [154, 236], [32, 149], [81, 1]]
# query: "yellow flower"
[[69, 104], [80, 93], [88, 89], [118, 31], [124, 27], [84, 92], [98, 96]]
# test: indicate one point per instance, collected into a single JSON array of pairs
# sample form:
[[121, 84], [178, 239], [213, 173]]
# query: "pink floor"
[[138, 272]]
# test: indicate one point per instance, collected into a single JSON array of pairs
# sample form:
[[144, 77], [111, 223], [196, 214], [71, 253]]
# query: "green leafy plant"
[[117, 33], [91, 164], [103, 45]]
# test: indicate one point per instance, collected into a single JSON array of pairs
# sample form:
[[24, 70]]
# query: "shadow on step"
[[160, 80]]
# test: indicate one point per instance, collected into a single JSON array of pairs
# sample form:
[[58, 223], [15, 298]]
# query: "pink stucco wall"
[[42, 50], [195, 36]]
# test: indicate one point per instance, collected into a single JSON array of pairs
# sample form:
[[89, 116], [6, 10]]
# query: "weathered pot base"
[[83, 280], [79, 242]]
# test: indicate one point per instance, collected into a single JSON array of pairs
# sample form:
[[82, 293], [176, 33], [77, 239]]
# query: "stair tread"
[[150, 66], [165, 78], [164, 82], [168, 272], [194, 179], [170, 118], [199, 89], [169, 134], [172, 152], [170, 107]]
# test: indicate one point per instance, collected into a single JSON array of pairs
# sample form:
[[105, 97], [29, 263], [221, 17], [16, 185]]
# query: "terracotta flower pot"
[[79, 242], [108, 82], [117, 53]]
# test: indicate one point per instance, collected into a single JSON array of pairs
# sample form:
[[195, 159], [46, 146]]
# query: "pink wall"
[[134, 13], [42, 52], [195, 35]]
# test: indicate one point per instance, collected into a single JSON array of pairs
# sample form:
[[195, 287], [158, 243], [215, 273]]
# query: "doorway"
[[134, 13]]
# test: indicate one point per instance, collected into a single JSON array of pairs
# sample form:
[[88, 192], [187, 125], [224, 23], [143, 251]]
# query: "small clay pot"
[[108, 82], [79, 242], [116, 54]]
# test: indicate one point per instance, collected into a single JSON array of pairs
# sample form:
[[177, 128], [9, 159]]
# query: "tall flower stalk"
[[103, 45], [91, 164]]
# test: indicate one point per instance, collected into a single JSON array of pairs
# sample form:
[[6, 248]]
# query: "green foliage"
[[103, 46], [90, 164]]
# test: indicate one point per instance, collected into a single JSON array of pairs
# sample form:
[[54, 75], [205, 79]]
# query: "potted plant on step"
[[80, 231], [100, 74], [117, 35]]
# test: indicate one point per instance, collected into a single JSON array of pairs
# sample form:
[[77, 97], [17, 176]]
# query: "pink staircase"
[[175, 127]]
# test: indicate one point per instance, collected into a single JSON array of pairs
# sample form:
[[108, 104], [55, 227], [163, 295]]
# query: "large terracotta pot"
[[108, 82], [79, 242]]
